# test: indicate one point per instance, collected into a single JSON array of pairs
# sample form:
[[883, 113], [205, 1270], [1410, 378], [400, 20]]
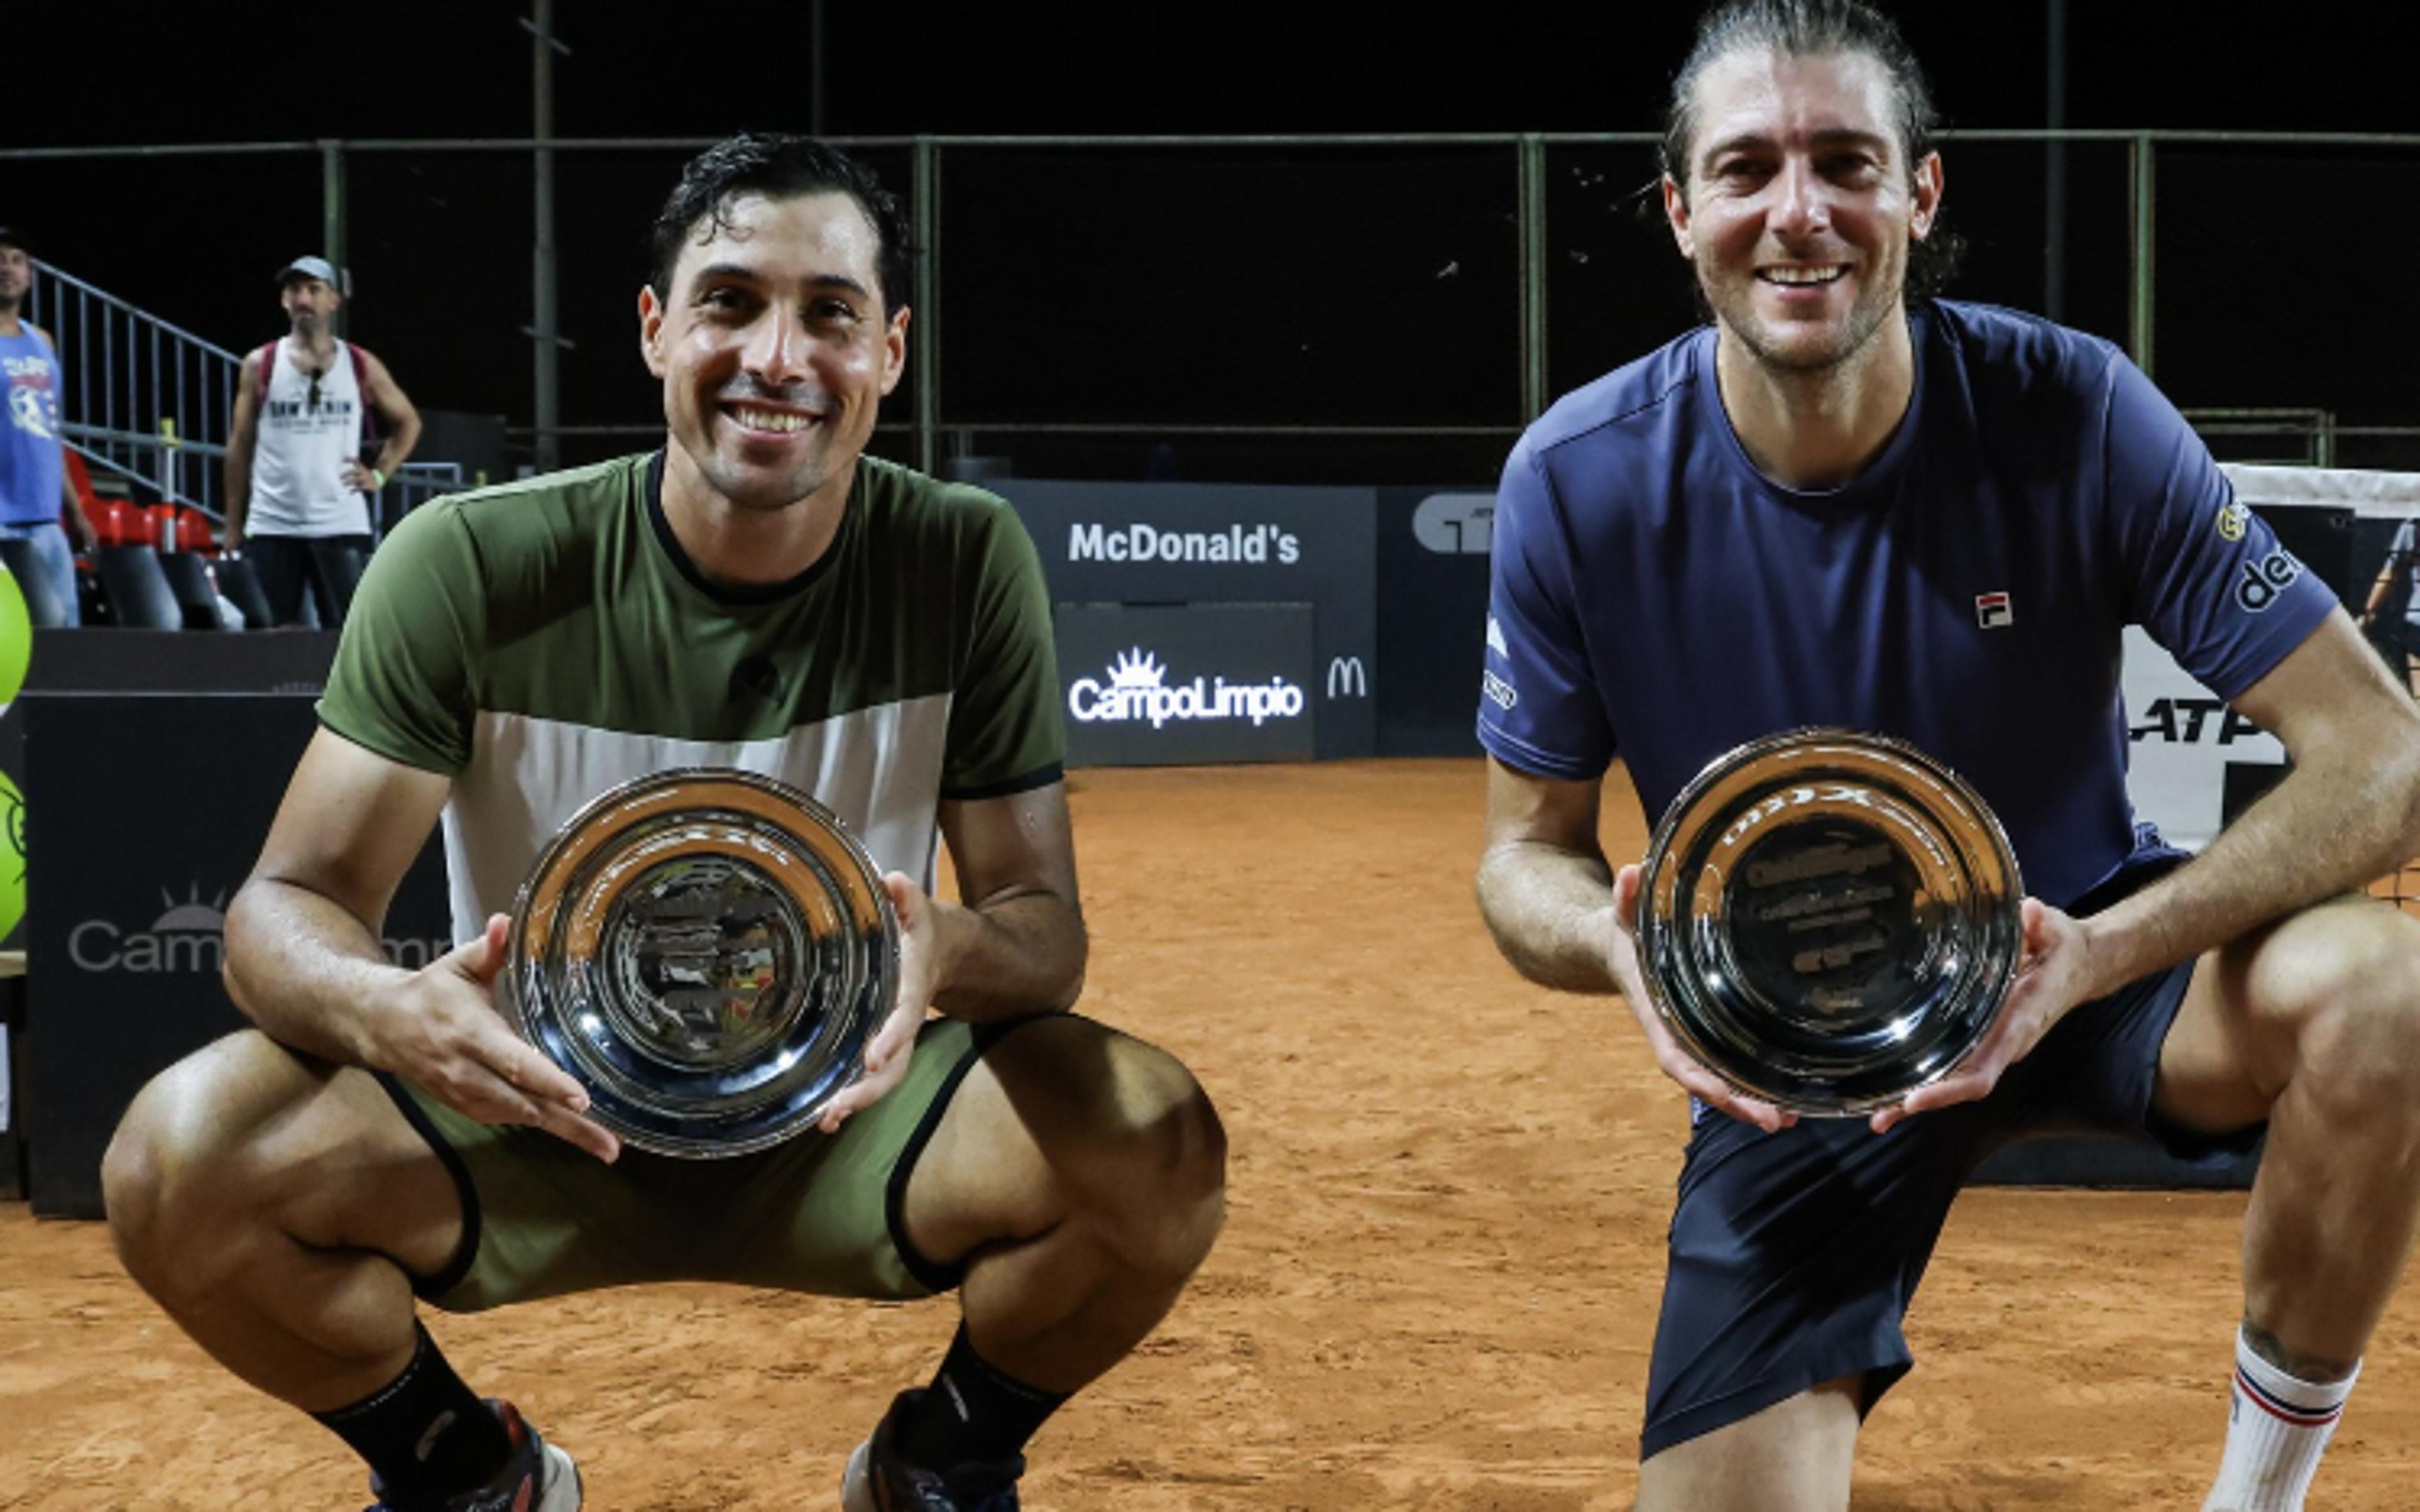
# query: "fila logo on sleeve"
[[1994, 612]]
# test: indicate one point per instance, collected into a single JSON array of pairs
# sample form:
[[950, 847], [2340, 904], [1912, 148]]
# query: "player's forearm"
[[308, 972], [1551, 911], [1008, 958], [2343, 817]]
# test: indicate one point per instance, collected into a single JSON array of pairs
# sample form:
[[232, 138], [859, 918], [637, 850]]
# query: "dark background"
[[1247, 287]]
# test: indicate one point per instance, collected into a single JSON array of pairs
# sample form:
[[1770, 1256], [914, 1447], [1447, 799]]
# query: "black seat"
[[189, 578], [241, 585], [137, 589], [42, 607]]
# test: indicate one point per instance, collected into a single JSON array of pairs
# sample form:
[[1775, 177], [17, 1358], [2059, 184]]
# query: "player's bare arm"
[[1544, 886], [243, 430], [305, 963], [2346, 812], [1013, 946], [1563, 917]]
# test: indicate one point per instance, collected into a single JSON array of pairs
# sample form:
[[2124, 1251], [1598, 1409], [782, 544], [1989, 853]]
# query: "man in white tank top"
[[298, 493]]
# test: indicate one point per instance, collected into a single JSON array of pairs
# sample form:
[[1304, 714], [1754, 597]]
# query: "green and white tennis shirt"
[[543, 640]]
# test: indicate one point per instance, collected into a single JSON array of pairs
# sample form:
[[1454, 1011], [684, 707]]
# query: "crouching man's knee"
[[1132, 1135], [2354, 993], [177, 1180]]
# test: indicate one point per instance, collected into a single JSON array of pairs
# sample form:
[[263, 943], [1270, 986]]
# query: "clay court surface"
[[1436, 1289]]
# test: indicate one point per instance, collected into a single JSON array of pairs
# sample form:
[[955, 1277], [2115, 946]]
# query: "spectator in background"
[[34, 494], [296, 487], [2390, 617]]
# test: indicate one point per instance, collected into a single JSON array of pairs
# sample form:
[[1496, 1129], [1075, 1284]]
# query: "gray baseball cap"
[[318, 268]]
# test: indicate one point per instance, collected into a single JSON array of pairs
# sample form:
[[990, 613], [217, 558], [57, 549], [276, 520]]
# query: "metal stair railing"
[[152, 400]]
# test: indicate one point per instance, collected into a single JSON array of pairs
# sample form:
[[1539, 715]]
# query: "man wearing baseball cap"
[[35, 493], [294, 471]]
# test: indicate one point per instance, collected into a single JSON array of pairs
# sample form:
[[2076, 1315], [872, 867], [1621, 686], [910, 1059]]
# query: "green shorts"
[[817, 1212]]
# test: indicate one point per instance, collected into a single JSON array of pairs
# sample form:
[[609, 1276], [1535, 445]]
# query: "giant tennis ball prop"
[[15, 638], [16, 649], [13, 855]]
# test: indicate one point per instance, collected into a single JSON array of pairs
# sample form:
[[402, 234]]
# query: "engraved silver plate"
[[707, 951], [1828, 920]]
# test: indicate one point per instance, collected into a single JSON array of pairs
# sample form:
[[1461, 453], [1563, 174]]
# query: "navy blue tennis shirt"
[[1658, 598]]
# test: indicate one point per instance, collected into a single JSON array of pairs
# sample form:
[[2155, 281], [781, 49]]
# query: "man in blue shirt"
[[34, 494], [1848, 503]]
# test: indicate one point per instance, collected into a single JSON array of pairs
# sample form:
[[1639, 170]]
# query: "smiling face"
[[774, 346], [1799, 205]]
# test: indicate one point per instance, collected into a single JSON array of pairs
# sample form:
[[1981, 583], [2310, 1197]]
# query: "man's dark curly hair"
[[778, 167], [1806, 28]]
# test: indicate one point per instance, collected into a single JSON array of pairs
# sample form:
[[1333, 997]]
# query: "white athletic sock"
[[2275, 1430]]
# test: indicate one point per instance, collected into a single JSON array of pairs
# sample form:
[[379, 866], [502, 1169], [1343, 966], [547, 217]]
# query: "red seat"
[[118, 522], [193, 531]]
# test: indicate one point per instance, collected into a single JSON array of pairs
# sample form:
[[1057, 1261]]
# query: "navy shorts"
[[1794, 1254]]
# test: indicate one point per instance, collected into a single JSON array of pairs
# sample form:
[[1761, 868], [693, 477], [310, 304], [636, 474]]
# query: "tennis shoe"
[[536, 1477], [877, 1480]]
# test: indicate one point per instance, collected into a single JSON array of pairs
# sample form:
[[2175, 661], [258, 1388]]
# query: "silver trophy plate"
[[1828, 920], [707, 951]]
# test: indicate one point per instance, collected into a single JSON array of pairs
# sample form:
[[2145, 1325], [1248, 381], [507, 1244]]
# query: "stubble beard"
[[747, 491], [1789, 359]]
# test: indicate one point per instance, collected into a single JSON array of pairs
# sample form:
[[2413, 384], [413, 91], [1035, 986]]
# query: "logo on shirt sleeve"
[[1495, 638], [1994, 612], [2265, 579], [2232, 521]]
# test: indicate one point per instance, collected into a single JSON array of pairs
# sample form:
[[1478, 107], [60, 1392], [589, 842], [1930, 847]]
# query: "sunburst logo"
[[193, 915], [1136, 668]]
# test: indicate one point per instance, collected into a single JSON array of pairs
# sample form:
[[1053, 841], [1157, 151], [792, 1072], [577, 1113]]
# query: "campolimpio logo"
[[1138, 688], [191, 936]]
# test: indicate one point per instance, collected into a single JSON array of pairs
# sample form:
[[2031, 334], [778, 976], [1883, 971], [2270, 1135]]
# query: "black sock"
[[424, 1435], [972, 1413]]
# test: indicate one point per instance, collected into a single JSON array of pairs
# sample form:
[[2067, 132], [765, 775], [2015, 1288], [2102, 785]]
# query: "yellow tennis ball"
[[16, 638], [13, 855]]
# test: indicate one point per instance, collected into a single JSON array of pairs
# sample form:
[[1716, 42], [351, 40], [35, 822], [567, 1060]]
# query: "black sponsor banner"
[[1204, 543], [146, 812], [1188, 684], [94, 660], [1432, 618]]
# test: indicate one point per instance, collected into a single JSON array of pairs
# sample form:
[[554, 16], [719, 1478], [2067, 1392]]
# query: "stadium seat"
[[136, 590], [189, 578], [236, 580], [194, 532], [118, 522]]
